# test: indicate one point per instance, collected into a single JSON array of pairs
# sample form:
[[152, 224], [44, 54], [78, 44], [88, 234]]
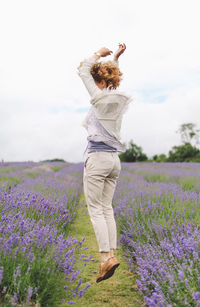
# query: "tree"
[[160, 158], [53, 160], [185, 152], [188, 133], [133, 153]]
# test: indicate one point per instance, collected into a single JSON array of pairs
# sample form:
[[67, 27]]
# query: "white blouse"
[[103, 121]]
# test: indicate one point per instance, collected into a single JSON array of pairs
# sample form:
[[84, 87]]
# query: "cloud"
[[154, 126], [39, 135], [43, 100]]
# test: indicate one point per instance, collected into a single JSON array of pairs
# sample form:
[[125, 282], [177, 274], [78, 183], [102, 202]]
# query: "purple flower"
[[17, 272], [196, 295], [14, 299], [34, 218], [30, 291], [1, 274], [186, 282], [158, 227], [181, 274]]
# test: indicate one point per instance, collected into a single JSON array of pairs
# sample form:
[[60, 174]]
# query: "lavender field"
[[38, 257], [156, 206]]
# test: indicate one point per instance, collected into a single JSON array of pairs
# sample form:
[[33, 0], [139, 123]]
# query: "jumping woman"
[[102, 164]]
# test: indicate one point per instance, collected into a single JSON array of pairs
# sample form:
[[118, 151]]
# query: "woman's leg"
[[97, 168], [107, 197], [108, 192], [101, 171]]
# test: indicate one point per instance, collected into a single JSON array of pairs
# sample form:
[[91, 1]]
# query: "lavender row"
[[38, 257], [159, 230], [183, 173]]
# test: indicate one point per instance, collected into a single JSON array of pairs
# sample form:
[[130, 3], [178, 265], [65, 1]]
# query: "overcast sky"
[[43, 100]]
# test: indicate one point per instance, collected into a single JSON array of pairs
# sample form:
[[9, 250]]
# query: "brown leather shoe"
[[107, 269]]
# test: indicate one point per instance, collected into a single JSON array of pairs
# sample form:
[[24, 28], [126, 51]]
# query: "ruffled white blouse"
[[103, 121]]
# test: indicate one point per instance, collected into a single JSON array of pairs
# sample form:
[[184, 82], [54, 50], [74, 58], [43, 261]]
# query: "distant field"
[[45, 262]]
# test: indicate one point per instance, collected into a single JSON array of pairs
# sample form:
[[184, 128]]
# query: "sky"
[[43, 100]]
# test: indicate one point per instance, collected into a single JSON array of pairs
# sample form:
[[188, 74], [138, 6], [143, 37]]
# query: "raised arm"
[[84, 73], [120, 50], [84, 70]]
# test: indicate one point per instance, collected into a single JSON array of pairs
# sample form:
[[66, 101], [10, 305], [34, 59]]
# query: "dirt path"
[[39, 168], [118, 291]]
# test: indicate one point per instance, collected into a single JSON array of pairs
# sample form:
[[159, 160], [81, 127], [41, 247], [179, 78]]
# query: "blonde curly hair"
[[108, 71]]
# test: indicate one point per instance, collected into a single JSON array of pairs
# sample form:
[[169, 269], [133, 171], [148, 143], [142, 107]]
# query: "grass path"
[[118, 291]]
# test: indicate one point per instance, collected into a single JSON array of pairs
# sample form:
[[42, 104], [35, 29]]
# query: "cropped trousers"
[[101, 171]]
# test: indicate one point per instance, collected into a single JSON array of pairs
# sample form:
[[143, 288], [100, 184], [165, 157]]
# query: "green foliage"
[[185, 152], [155, 177], [160, 158], [133, 153], [120, 290], [189, 132], [195, 158], [189, 183], [58, 167], [43, 275], [33, 175], [7, 170], [9, 181], [54, 160]]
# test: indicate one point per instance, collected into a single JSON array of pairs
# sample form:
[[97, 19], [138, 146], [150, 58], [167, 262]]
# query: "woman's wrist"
[[96, 55]]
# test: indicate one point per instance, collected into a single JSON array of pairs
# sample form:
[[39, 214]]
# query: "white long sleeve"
[[84, 73]]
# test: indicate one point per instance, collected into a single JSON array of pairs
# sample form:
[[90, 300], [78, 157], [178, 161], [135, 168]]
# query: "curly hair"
[[108, 71]]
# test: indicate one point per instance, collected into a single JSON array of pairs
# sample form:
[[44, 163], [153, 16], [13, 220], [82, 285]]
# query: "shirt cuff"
[[116, 61], [91, 59]]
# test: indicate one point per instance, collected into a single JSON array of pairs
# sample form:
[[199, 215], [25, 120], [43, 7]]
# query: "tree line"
[[186, 152]]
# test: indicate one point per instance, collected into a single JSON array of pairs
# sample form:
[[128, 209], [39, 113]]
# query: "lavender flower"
[[158, 218], [1, 274], [35, 216]]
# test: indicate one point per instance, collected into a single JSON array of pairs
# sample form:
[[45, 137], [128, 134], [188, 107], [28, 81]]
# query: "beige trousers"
[[101, 171]]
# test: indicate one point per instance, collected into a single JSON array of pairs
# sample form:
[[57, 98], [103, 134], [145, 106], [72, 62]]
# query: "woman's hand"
[[120, 50], [104, 51]]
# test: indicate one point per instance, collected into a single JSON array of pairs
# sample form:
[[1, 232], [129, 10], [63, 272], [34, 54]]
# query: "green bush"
[[133, 154], [160, 158], [184, 153]]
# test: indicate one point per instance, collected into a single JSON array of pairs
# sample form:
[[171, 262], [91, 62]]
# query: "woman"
[[102, 164]]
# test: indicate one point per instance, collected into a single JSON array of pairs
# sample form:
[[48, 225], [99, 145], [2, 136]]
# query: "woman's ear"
[[103, 82]]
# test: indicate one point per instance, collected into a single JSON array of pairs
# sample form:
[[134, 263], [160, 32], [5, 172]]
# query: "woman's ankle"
[[105, 256], [112, 252]]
